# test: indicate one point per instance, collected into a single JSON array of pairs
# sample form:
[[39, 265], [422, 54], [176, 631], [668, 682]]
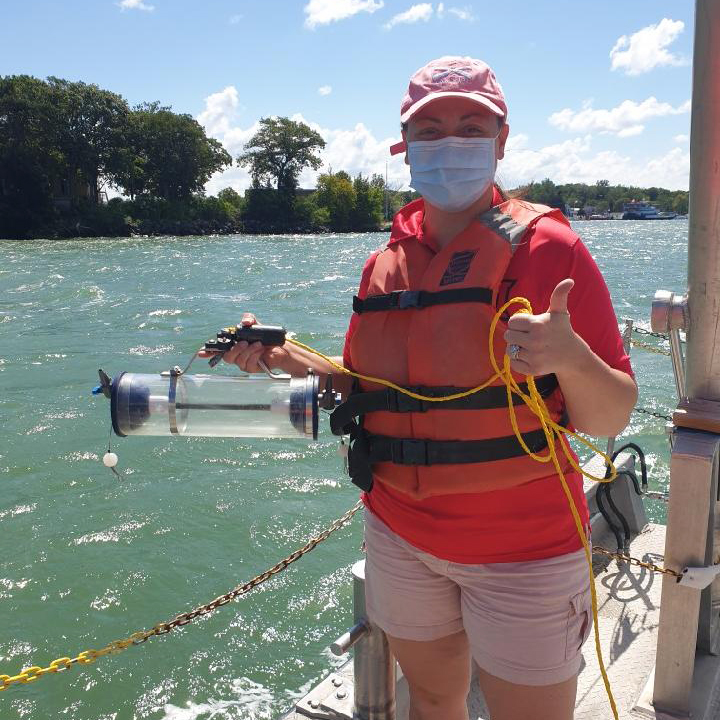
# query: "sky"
[[595, 90]]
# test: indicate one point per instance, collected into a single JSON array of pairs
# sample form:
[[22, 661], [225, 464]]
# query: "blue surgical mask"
[[452, 173]]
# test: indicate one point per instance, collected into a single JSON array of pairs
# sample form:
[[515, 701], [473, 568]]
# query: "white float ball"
[[110, 459]]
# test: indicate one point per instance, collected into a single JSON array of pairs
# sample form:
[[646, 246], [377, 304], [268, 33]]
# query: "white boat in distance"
[[644, 211]]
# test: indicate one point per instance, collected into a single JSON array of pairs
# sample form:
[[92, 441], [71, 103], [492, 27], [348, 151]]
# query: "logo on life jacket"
[[457, 267]]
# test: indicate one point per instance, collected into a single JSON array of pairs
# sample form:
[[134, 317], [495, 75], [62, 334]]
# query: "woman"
[[471, 547]]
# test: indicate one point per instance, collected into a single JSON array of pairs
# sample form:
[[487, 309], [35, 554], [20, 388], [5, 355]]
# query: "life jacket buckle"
[[408, 299], [409, 452], [402, 403]]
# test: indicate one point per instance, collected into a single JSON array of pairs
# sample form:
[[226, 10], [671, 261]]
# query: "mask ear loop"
[[110, 459]]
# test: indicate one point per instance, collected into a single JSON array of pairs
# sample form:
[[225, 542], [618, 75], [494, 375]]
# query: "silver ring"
[[513, 351]]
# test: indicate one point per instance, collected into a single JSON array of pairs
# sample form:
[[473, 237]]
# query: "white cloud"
[[463, 13], [135, 5], [235, 19], [625, 120], [647, 48], [355, 150], [416, 13], [323, 12], [575, 161], [324, 90], [441, 10], [681, 138], [220, 110]]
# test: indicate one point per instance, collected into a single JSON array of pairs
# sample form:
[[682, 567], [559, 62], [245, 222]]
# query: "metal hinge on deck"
[[332, 699]]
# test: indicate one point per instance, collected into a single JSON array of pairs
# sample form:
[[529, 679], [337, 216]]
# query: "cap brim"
[[398, 148], [479, 99]]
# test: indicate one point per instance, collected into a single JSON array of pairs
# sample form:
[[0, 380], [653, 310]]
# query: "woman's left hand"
[[545, 343]]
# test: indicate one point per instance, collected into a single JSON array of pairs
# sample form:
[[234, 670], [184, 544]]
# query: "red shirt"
[[530, 521]]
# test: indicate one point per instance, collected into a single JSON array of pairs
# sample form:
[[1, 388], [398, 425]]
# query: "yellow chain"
[[635, 561], [31, 674], [649, 348]]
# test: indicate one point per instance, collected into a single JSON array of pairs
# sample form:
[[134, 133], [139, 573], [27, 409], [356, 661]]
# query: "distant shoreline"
[[226, 233]]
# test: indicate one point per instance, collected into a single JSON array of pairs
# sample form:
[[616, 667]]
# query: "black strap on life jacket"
[[412, 451], [418, 299], [391, 400], [366, 449]]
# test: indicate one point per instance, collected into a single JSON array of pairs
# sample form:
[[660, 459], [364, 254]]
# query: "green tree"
[[231, 197], [546, 193], [170, 155], [276, 155], [279, 151], [680, 203], [30, 159], [368, 207], [90, 134], [336, 195]]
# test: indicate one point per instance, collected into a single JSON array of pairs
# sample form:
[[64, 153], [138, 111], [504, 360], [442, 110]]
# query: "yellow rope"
[[552, 431]]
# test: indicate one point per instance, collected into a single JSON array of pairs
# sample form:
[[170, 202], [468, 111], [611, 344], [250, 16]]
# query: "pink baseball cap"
[[451, 76]]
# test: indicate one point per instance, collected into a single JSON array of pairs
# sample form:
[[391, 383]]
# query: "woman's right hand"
[[246, 355]]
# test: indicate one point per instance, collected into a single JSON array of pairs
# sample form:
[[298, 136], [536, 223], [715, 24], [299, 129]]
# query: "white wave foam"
[[113, 534], [69, 415], [37, 429], [73, 456], [254, 702], [145, 350], [18, 510], [13, 584], [105, 601]]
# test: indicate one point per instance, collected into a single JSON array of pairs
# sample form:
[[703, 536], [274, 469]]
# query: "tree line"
[[602, 197], [64, 145], [66, 142]]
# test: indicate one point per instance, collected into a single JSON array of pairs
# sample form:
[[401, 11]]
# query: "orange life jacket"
[[424, 324]]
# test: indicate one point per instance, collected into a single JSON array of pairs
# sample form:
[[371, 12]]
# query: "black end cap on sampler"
[[113, 405]]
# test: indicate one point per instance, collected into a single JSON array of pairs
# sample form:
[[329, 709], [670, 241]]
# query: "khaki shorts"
[[526, 621]]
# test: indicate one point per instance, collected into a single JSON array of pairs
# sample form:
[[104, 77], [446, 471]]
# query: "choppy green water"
[[87, 559]]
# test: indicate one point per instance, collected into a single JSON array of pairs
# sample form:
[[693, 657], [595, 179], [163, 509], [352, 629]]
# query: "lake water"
[[88, 559]]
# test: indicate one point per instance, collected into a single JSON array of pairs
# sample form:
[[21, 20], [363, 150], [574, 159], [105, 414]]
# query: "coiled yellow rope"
[[552, 431]]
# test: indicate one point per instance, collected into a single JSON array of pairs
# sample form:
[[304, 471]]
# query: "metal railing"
[[374, 666]]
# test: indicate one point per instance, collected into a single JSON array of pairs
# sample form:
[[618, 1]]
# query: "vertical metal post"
[[703, 358], [374, 664], [694, 461]]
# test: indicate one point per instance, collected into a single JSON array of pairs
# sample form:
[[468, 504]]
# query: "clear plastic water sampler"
[[172, 403]]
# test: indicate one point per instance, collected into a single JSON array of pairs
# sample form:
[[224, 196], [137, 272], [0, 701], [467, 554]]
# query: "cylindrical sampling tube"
[[214, 405]]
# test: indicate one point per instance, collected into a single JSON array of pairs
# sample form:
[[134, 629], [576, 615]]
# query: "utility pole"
[[387, 214]]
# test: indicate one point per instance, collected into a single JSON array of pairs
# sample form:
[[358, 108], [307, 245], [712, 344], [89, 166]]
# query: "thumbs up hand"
[[544, 343]]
